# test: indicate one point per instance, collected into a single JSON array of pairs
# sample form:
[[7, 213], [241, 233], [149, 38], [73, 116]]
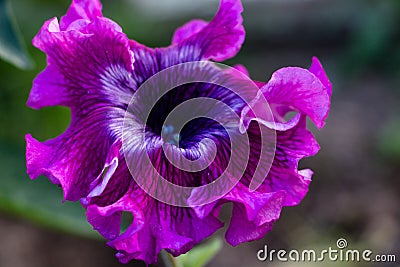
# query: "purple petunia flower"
[[102, 76]]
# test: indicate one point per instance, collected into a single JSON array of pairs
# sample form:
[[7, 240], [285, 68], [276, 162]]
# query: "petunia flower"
[[97, 72]]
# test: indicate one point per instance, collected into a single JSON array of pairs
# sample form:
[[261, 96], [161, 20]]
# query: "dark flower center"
[[169, 135], [177, 131]]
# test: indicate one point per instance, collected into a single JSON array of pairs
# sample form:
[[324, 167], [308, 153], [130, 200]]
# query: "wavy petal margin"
[[221, 38], [89, 67]]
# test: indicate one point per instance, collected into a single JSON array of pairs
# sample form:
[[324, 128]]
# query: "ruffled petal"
[[291, 89], [294, 144], [317, 69], [87, 10], [220, 39], [253, 214], [294, 183], [291, 146], [74, 159], [155, 226], [89, 70], [255, 211], [48, 89], [93, 63], [243, 230], [299, 90]]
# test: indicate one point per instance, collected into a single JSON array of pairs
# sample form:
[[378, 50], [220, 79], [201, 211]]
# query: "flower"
[[96, 71]]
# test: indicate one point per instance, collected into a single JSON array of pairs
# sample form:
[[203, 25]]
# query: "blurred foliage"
[[200, 255], [12, 48], [389, 144], [39, 200], [375, 40]]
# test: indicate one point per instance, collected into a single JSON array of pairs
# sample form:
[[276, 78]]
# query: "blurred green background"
[[355, 193]]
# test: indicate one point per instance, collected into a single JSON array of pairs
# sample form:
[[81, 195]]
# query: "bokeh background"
[[355, 193]]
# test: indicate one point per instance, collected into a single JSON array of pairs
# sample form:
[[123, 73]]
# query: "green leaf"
[[39, 201], [200, 255], [12, 49]]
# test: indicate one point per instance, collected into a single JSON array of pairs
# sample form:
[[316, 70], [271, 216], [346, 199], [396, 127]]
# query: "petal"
[[89, 71], [94, 63], [110, 185], [253, 214], [48, 89], [145, 63], [197, 40], [87, 10], [189, 29], [299, 90], [255, 211], [294, 183], [107, 219], [221, 38], [262, 153], [294, 144], [153, 170], [100, 183], [291, 146], [155, 226], [290, 89], [74, 159], [242, 230], [317, 69]]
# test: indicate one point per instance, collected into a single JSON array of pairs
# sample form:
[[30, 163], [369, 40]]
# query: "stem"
[[168, 259]]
